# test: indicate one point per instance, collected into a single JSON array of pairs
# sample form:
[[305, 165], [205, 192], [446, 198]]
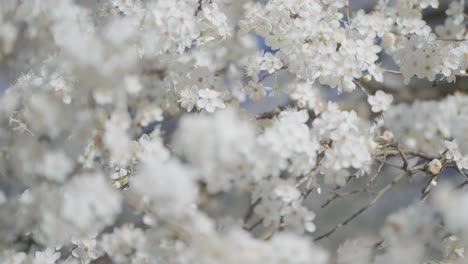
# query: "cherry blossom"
[[233, 131], [380, 101], [209, 100]]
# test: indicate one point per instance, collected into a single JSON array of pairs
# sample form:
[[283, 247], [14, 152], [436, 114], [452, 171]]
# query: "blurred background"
[[370, 222]]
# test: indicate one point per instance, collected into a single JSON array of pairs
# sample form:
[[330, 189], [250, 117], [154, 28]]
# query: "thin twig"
[[450, 39], [403, 157], [461, 172], [199, 7], [364, 208], [461, 185], [392, 71], [420, 155], [337, 195], [390, 164], [272, 113], [250, 210], [269, 74], [267, 233], [379, 169], [252, 227], [427, 189]]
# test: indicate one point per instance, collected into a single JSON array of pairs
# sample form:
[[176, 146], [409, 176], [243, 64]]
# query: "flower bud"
[[435, 166], [387, 136], [388, 40], [301, 104], [367, 78]]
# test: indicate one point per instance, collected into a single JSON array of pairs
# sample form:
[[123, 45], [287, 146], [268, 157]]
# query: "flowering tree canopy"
[[233, 131]]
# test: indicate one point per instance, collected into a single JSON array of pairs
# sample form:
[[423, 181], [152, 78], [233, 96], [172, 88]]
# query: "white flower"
[[168, 186], [338, 177], [299, 218], [132, 84], [435, 166], [217, 19], [462, 162], [209, 100], [453, 151], [55, 166], [10, 257], [188, 98], [123, 243], [149, 113], [90, 203], [354, 251], [256, 90], [86, 249], [253, 66], [293, 249], [380, 101], [426, 3], [287, 192], [270, 211], [151, 147], [119, 174], [49, 256], [307, 93], [221, 158], [271, 63]]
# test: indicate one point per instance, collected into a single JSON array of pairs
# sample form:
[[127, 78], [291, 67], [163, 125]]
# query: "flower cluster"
[[424, 125], [205, 131]]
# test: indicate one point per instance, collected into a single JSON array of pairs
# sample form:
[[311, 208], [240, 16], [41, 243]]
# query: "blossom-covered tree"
[[233, 131]]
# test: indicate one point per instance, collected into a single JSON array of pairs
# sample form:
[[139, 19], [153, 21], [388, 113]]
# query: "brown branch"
[[450, 39], [461, 185], [389, 164], [427, 189], [365, 207], [269, 74], [379, 169], [199, 7], [252, 227], [337, 195], [267, 115], [461, 172], [421, 155], [276, 111], [392, 71], [250, 210], [403, 157], [267, 233]]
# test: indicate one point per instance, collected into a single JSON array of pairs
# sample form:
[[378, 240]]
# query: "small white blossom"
[[49, 256], [188, 98], [56, 166], [287, 192], [149, 113], [132, 84], [85, 249], [380, 101], [462, 162], [271, 63], [299, 218], [209, 100], [453, 151], [435, 166]]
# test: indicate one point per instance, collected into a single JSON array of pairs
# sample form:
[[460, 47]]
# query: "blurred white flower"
[[380, 102], [209, 100]]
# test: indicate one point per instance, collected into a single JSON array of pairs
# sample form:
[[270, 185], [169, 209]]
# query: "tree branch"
[[364, 208]]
